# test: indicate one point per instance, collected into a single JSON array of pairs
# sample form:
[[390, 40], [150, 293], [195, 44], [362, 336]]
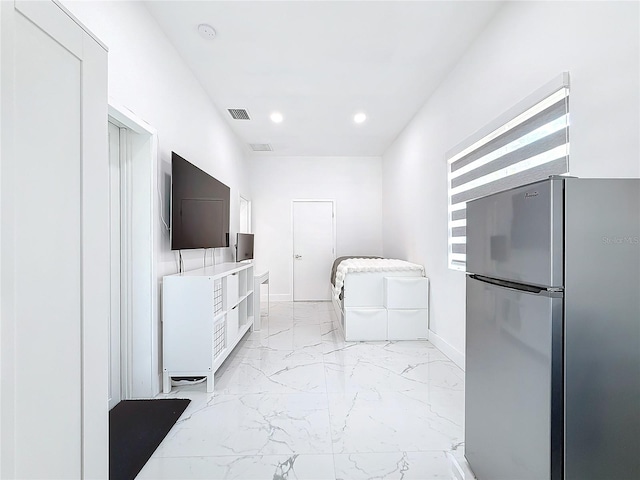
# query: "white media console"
[[205, 313]]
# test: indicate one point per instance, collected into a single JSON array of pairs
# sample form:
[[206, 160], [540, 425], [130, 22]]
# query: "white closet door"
[[313, 249], [53, 207]]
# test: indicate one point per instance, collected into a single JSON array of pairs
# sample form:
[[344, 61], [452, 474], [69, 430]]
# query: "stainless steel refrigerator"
[[552, 385]]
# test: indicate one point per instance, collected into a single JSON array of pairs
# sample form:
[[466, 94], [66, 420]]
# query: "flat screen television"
[[199, 207], [244, 247]]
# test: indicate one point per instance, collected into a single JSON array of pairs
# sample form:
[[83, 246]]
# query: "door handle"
[[298, 256]]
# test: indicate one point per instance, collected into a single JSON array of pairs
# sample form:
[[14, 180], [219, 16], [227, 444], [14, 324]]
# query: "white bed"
[[380, 299]]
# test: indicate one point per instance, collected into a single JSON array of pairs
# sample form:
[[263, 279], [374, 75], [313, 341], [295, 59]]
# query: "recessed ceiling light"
[[359, 117], [206, 31], [276, 117]]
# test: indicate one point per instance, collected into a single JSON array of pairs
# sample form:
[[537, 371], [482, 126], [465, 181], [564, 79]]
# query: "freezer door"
[[513, 386], [517, 234]]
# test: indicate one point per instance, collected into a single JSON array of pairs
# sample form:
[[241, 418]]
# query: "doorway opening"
[[245, 215], [133, 256]]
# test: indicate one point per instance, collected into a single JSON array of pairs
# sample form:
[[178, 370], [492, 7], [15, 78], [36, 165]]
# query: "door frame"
[[333, 226], [248, 218], [122, 135], [139, 338]]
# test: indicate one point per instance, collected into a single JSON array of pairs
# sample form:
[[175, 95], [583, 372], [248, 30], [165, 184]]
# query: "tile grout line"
[[326, 385]]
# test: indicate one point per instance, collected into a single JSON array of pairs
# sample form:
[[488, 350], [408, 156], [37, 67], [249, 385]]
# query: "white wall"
[[526, 45], [149, 78], [353, 182]]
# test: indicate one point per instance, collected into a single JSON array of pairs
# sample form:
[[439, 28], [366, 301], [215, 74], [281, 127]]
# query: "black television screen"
[[199, 207], [244, 247]]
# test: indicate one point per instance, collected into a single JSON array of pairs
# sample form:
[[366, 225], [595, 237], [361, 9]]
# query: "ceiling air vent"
[[238, 113], [261, 147]]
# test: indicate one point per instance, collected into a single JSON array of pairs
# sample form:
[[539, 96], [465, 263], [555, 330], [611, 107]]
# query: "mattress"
[[371, 265], [337, 262]]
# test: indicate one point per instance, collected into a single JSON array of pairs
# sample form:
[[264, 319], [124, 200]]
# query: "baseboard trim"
[[455, 355], [283, 297], [279, 297]]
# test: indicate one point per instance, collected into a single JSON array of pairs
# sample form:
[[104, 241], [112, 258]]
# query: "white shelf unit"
[[205, 313], [258, 280]]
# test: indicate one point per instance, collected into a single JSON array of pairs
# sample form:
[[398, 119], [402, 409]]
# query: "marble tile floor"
[[295, 401]]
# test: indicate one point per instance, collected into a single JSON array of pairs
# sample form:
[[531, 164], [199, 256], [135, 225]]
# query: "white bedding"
[[372, 265]]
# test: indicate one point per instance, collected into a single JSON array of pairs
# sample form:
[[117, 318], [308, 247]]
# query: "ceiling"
[[319, 63]]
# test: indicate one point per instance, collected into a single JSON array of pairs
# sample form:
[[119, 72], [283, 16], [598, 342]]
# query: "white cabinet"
[[205, 313], [407, 324], [407, 303], [406, 292], [365, 324]]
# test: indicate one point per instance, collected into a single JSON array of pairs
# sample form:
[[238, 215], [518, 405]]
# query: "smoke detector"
[[206, 31]]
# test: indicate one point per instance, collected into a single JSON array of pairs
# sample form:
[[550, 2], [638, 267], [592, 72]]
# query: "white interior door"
[[53, 246], [115, 394], [47, 252], [313, 249]]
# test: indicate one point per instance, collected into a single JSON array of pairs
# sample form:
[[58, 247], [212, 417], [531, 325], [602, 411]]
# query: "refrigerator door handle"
[[520, 287]]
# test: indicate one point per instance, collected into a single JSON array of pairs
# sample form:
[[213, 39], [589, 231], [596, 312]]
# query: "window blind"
[[528, 143]]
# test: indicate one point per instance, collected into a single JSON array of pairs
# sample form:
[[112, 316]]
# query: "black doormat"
[[136, 428]]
